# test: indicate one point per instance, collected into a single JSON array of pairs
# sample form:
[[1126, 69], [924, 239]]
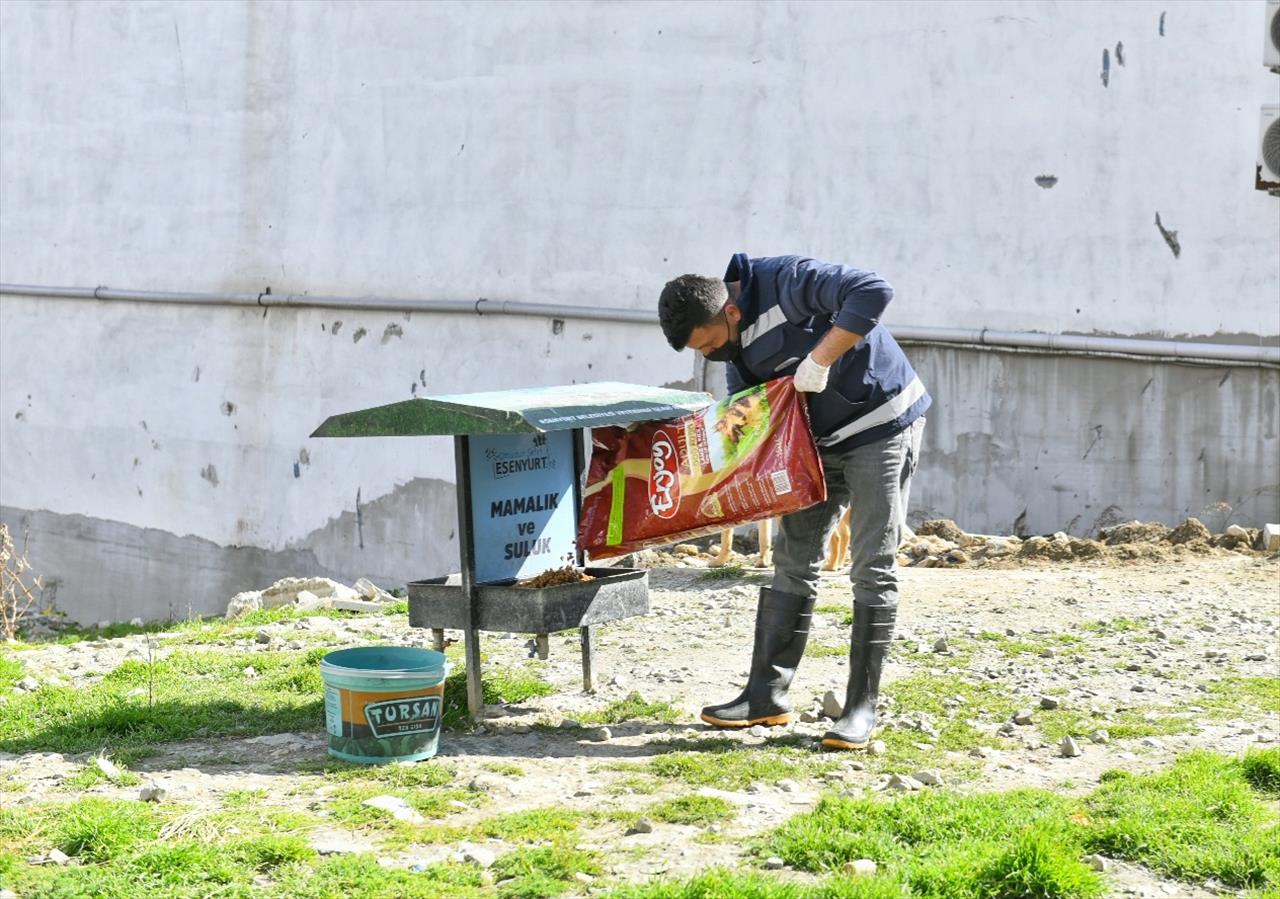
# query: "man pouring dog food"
[[820, 323]]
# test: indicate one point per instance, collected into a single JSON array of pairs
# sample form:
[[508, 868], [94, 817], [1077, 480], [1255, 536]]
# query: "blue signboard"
[[522, 506]]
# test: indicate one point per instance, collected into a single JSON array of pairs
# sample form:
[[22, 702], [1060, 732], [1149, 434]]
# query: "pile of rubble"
[[307, 594], [941, 543]]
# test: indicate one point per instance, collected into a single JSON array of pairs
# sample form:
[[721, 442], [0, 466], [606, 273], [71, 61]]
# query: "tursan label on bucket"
[[416, 716], [382, 703]]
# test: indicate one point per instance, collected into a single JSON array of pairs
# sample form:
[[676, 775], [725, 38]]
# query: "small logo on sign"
[[664, 479], [403, 716]]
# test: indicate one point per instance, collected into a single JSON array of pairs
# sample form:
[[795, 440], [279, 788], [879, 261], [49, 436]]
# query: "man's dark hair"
[[689, 302]]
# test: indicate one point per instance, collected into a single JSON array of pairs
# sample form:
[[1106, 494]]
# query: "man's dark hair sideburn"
[[688, 302]]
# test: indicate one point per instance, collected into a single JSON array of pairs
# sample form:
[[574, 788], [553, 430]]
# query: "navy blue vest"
[[788, 304]]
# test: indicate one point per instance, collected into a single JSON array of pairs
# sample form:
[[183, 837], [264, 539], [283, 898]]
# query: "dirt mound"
[[1134, 532], [1191, 529], [944, 528]]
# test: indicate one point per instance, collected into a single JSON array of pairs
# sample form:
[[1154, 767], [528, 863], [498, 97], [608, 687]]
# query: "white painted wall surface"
[[568, 153]]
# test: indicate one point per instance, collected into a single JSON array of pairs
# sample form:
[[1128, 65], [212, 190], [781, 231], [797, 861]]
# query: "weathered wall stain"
[[98, 569], [1106, 67], [1170, 237]]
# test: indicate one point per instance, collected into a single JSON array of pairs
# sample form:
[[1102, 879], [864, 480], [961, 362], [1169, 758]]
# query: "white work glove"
[[811, 377]]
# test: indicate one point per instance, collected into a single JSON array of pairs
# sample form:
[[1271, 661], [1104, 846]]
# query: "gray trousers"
[[875, 481]]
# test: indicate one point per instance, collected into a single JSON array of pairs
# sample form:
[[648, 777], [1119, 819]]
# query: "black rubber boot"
[[782, 630], [868, 646]]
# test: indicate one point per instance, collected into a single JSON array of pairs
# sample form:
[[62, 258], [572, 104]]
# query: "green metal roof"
[[528, 410]]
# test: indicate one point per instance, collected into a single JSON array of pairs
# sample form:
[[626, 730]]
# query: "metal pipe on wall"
[[1052, 344]]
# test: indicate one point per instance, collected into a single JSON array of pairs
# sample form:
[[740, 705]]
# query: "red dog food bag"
[[746, 458]]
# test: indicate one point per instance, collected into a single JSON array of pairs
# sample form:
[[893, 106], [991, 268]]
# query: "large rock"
[[313, 592], [944, 528]]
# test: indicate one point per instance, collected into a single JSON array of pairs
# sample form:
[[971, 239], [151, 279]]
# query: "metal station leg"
[[543, 643], [475, 687], [437, 639], [588, 659]]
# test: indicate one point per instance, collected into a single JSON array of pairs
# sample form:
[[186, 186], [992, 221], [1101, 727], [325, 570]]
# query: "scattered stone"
[[600, 735], [1152, 743], [773, 863], [583, 877], [477, 855], [152, 793], [136, 622], [57, 856], [1022, 717], [396, 807], [641, 825], [1269, 539], [930, 777], [1048, 703], [940, 644], [1097, 862], [877, 747], [569, 724], [863, 867], [107, 767], [758, 730], [1069, 747], [250, 673], [832, 706], [685, 549], [263, 636], [903, 783], [1100, 737], [1048, 652], [1256, 657], [28, 684], [808, 717], [788, 786]]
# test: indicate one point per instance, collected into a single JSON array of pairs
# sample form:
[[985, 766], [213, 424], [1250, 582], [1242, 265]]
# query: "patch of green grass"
[[361, 875], [939, 844], [1010, 646], [196, 694], [693, 809], [542, 871], [507, 769], [400, 607], [1236, 694], [1195, 820], [532, 825], [824, 651], [430, 773], [91, 776], [1112, 625], [844, 610], [732, 571], [1125, 725], [633, 708], [510, 685], [243, 798], [725, 764], [1261, 768], [11, 670], [347, 806]]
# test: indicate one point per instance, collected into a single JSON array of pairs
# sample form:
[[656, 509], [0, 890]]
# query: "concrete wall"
[[584, 154]]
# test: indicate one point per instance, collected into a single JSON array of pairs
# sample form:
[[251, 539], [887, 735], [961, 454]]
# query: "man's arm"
[[856, 298]]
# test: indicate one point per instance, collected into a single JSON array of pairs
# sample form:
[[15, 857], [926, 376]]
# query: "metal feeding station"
[[519, 456]]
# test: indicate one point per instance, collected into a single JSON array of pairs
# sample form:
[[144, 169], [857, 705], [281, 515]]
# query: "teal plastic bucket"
[[383, 703]]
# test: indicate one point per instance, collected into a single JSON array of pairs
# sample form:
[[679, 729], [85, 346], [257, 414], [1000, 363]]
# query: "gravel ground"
[[1145, 640]]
